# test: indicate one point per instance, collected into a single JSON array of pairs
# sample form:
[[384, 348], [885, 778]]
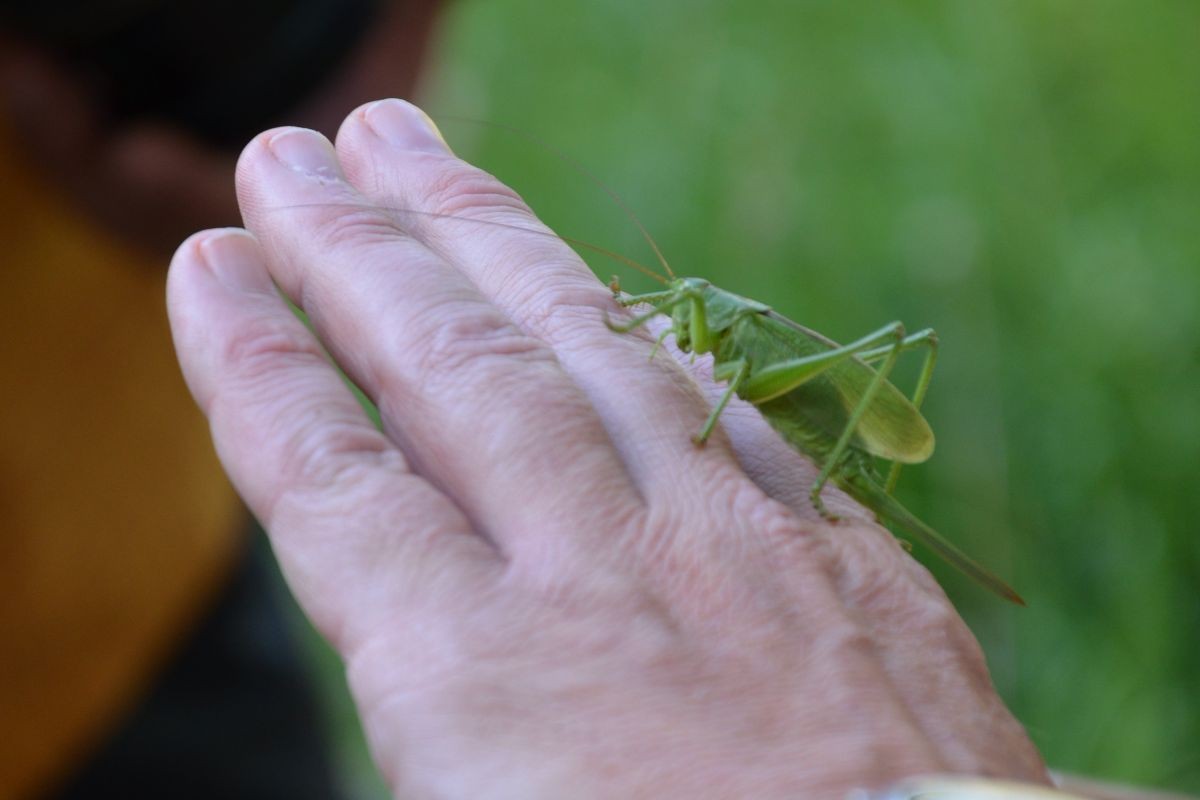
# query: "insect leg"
[[926, 338], [662, 337], [740, 369], [777, 379], [642, 319], [923, 338], [839, 449], [648, 297]]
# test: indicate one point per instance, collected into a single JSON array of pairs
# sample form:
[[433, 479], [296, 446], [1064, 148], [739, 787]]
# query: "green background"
[[1023, 177]]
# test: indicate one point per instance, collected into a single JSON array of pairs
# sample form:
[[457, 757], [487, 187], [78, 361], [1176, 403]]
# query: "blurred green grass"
[[1023, 177]]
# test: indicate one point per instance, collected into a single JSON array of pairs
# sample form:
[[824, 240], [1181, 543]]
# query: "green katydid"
[[823, 398]]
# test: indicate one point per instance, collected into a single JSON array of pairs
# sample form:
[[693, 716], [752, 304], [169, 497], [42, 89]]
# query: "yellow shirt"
[[116, 523]]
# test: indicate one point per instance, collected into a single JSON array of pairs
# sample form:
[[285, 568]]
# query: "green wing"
[[892, 428]]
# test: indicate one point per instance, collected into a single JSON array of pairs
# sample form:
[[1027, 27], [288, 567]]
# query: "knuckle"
[[269, 361], [870, 575], [476, 342], [789, 537], [261, 348], [951, 627], [933, 620], [461, 189], [843, 641], [566, 312], [552, 293], [941, 630], [323, 452], [748, 501], [358, 225], [927, 616]]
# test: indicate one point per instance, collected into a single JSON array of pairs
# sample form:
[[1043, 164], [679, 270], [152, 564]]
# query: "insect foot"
[[815, 497]]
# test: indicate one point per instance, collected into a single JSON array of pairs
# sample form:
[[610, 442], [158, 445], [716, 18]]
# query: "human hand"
[[539, 585]]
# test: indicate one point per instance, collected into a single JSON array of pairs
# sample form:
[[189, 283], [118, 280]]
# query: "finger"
[[484, 410], [651, 409], [357, 533]]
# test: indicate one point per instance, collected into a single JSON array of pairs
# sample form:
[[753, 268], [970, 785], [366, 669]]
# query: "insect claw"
[[819, 505], [828, 515]]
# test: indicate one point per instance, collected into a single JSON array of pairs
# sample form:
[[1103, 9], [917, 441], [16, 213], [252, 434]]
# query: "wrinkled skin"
[[540, 587]]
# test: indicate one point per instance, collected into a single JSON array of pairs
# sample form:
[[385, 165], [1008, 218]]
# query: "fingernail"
[[232, 256], [306, 151], [404, 125]]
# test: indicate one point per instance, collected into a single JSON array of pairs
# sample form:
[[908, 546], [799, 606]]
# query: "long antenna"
[[629, 262], [626, 260], [582, 170]]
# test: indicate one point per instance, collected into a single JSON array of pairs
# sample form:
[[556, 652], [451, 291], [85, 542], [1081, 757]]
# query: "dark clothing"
[[231, 717]]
